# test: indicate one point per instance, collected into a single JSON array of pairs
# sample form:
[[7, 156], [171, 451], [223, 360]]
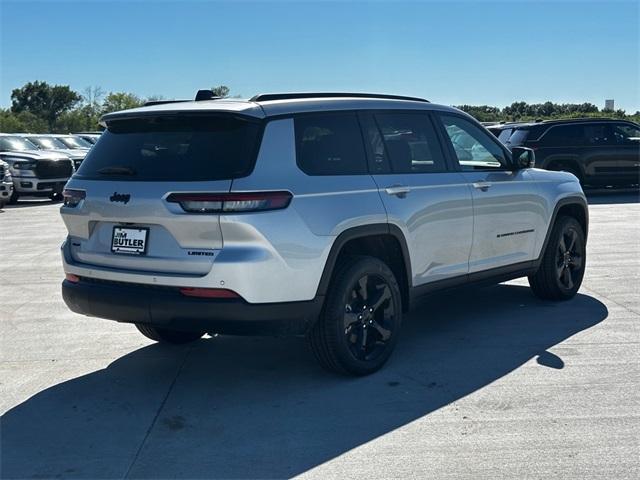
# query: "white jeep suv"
[[323, 215]]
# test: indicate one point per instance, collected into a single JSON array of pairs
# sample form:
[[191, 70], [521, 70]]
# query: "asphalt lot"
[[488, 383]]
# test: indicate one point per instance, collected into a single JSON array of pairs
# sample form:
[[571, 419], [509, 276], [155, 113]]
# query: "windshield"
[[16, 144], [48, 143], [74, 142], [177, 148]]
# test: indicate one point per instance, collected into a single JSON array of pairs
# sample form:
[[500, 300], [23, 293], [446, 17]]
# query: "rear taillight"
[[208, 292], [73, 197], [71, 277], [231, 202]]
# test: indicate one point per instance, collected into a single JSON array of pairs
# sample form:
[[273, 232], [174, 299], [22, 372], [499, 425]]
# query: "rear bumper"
[[166, 307]]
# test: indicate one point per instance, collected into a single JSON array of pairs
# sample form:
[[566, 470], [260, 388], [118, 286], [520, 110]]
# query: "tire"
[[563, 262], [13, 199], [2, 204], [164, 335], [351, 337]]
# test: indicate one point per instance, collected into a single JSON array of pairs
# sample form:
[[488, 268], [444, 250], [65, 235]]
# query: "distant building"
[[609, 104]]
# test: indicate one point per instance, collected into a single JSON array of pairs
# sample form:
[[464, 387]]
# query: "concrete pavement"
[[489, 383]]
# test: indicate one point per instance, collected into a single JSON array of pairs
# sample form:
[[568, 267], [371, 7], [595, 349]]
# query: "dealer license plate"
[[129, 240]]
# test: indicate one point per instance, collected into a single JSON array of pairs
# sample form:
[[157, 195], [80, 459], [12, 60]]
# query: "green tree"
[[78, 120], [85, 116], [23, 122], [120, 101], [482, 113], [43, 100], [221, 91]]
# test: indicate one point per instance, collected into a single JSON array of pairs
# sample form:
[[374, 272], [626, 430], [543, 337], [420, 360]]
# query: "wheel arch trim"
[[361, 232], [563, 202]]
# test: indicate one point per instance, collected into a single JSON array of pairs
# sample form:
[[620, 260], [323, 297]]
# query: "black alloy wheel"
[[361, 318], [569, 258], [563, 262], [369, 317]]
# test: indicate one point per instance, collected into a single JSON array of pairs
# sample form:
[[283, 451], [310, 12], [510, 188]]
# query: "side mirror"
[[523, 158]]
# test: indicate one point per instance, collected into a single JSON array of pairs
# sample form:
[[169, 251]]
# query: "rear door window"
[[174, 147], [330, 144], [410, 142], [564, 136], [597, 135]]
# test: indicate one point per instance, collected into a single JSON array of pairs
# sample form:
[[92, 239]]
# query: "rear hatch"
[[125, 220]]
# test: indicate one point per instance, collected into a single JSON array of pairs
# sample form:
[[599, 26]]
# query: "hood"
[[35, 155], [73, 153]]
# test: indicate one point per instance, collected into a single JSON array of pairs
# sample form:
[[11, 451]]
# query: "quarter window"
[[330, 144], [410, 143], [474, 149]]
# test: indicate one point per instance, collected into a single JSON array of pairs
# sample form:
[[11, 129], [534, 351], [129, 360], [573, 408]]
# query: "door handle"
[[484, 186], [398, 190]]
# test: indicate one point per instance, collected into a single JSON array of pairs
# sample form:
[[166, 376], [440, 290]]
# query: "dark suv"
[[597, 151]]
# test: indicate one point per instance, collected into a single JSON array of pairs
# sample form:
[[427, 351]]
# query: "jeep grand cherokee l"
[[323, 215], [598, 152]]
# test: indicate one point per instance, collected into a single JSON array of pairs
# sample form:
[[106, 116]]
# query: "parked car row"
[[600, 152], [40, 164]]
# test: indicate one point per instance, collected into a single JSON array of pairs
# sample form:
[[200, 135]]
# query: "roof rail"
[[583, 119], [265, 97]]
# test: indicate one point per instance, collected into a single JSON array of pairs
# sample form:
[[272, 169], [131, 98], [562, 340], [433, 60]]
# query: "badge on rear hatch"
[[129, 240]]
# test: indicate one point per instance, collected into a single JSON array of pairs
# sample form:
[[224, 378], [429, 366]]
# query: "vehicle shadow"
[[612, 196], [261, 408]]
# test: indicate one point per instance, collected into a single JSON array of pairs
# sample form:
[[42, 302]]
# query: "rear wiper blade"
[[117, 170]]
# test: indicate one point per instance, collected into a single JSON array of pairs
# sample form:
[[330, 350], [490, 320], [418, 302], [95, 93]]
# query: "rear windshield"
[[173, 148], [505, 135], [518, 137]]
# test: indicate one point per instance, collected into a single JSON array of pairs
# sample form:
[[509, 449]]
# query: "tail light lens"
[[71, 277], [73, 197], [231, 202]]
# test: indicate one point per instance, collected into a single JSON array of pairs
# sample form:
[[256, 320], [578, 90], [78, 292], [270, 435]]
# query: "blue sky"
[[449, 52]]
